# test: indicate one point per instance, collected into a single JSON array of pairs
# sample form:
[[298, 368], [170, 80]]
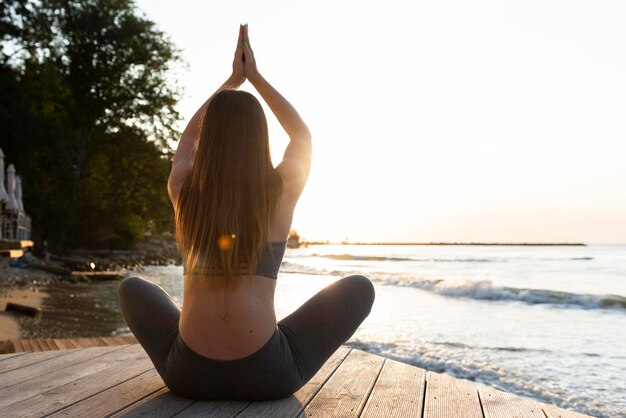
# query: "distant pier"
[[487, 244]]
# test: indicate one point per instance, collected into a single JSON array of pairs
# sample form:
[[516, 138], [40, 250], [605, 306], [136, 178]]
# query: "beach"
[[543, 322]]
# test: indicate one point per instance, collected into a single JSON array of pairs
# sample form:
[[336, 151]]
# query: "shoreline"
[[54, 268], [31, 280]]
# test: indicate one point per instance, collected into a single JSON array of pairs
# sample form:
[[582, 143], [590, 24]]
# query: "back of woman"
[[227, 211], [233, 213]]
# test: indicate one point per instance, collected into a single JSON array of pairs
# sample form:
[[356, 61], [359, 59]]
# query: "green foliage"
[[85, 115]]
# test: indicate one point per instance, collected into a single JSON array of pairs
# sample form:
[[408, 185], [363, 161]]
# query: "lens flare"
[[225, 242]]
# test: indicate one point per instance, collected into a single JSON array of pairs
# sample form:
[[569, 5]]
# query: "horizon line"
[[534, 244]]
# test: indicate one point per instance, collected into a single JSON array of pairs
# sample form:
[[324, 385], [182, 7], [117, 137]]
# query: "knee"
[[363, 290], [130, 287], [130, 293]]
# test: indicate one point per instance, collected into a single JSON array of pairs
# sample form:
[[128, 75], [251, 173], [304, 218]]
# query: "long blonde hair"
[[227, 203]]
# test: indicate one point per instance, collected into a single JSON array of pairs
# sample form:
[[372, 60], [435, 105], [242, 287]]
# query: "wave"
[[486, 290], [455, 344], [352, 257], [463, 346], [295, 268], [483, 290]]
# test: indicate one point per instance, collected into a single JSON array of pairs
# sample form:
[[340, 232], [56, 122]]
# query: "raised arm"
[[296, 164], [182, 163]]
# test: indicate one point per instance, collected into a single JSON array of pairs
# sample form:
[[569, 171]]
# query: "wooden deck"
[[121, 381], [14, 249], [48, 344]]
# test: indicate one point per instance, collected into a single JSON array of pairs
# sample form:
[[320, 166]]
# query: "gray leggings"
[[301, 344]]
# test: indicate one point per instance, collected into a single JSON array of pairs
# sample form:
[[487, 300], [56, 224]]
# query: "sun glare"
[[433, 118]]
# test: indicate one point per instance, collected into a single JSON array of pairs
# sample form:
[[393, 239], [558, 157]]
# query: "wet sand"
[[9, 320], [9, 328], [68, 310]]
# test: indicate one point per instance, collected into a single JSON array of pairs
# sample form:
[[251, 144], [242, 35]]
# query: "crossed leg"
[[327, 320], [314, 331]]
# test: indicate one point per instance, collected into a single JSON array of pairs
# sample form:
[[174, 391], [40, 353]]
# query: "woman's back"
[[250, 312]]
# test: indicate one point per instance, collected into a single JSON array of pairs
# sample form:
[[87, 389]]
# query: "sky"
[[482, 121]]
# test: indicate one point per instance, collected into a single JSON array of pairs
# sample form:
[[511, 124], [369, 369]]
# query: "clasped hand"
[[244, 64]]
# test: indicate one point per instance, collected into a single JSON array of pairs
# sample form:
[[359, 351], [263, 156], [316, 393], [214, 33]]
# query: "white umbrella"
[[4, 196], [18, 192], [12, 203]]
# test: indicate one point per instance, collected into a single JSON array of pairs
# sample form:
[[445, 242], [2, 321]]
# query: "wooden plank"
[[124, 339], [49, 364], [115, 398], [7, 347], [15, 245], [38, 345], [53, 344], [23, 346], [66, 343], [30, 346], [61, 344], [117, 340], [160, 404], [47, 342], [450, 397], [217, 409], [130, 339], [399, 392], [9, 355], [552, 411], [96, 342], [13, 253], [293, 405], [74, 342], [85, 342], [498, 404], [26, 359], [104, 342], [125, 366], [346, 392], [86, 364]]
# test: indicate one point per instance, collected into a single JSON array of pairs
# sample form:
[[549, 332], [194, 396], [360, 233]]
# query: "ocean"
[[539, 321]]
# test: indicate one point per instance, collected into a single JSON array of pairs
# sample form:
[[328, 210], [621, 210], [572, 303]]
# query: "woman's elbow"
[[306, 134]]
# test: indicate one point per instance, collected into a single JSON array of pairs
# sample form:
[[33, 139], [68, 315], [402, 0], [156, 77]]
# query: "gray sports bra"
[[268, 263]]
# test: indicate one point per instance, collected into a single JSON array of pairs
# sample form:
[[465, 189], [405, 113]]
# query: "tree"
[[90, 117]]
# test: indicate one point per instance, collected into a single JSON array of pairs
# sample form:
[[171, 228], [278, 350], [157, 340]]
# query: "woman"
[[233, 214]]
